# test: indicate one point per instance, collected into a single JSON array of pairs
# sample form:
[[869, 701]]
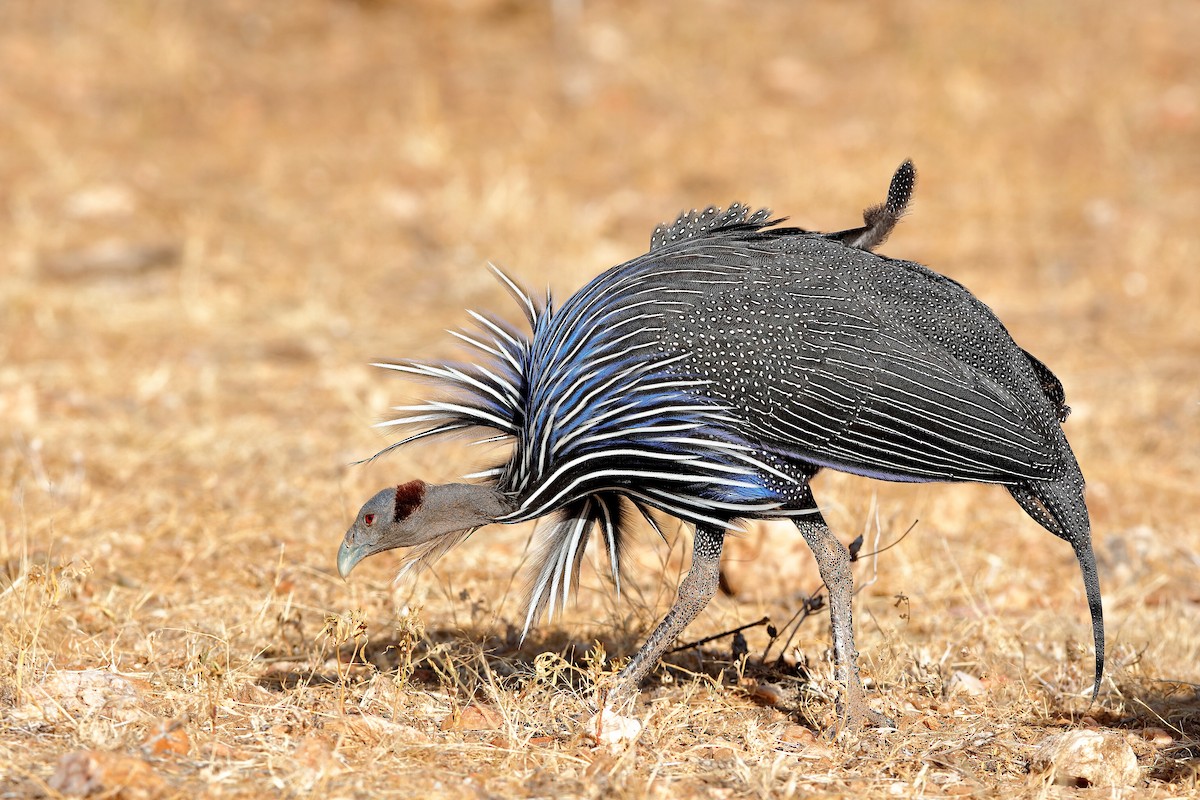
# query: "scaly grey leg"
[[697, 589], [833, 561]]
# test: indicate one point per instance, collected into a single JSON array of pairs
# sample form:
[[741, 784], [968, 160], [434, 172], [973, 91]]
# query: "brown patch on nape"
[[408, 497]]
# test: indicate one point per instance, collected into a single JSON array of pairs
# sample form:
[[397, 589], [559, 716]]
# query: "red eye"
[[369, 519]]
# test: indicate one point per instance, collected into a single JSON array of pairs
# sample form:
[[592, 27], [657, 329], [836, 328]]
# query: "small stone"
[[315, 754], [1157, 737], [612, 729], [112, 258], [70, 694], [371, 729], [252, 694], [718, 750], [90, 772], [106, 200], [167, 738], [965, 683], [769, 694], [1086, 758], [798, 734], [808, 745], [474, 717]]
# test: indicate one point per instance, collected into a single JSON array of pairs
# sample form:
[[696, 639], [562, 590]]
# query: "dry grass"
[[214, 214]]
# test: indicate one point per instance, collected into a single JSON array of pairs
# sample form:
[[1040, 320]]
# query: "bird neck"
[[466, 505]]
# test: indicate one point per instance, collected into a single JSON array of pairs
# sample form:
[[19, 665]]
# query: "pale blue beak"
[[348, 556]]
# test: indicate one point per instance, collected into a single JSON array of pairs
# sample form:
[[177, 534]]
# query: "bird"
[[710, 379]]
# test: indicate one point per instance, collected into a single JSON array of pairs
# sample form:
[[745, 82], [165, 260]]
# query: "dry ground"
[[213, 215]]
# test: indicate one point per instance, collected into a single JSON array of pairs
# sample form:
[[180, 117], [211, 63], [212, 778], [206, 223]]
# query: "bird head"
[[414, 513]]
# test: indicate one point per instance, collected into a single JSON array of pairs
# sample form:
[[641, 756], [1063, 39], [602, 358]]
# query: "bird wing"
[[863, 390]]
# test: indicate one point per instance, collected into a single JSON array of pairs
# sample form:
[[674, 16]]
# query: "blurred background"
[[214, 215]]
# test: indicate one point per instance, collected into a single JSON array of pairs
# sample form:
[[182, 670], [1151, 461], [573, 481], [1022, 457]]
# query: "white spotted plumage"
[[711, 377]]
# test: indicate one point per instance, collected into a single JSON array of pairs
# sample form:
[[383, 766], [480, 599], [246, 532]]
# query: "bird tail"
[[1059, 507], [880, 219]]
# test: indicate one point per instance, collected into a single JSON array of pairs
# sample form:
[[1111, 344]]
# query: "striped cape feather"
[[600, 427]]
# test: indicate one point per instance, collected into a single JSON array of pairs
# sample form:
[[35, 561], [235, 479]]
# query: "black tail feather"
[[881, 219], [1059, 507]]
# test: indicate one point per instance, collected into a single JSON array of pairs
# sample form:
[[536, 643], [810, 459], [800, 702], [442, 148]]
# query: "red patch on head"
[[408, 497]]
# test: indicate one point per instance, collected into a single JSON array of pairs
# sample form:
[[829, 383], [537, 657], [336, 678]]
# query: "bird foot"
[[613, 698], [852, 719], [875, 719]]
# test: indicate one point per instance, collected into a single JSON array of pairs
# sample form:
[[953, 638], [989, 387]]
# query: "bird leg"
[[833, 560], [697, 589]]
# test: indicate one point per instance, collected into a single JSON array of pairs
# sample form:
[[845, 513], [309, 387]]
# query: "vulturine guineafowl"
[[710, 379]]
